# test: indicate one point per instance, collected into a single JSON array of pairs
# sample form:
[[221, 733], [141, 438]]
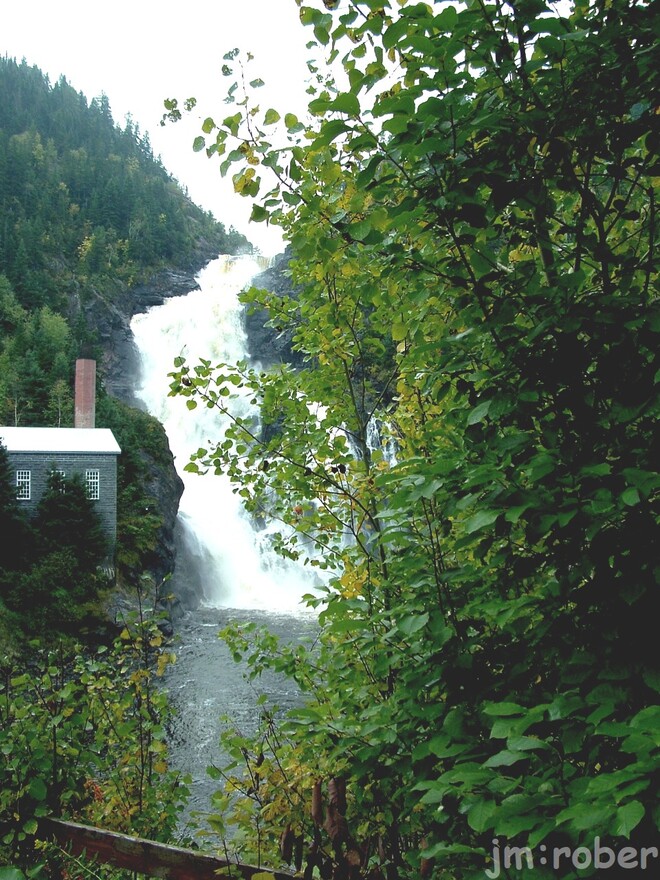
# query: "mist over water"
[[229, 559]]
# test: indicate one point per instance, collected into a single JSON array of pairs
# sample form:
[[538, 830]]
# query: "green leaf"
[[480, 520], [449, 849], [9, 873], [394, 32], [479, 816], [38, 789], [445, 21], [505, 727], [441, 747], [346, 102], [360, 230], [628, 818], [434, 796], [319, 106], [630, 497], [330, 131], [399, 331], [652, 679], [505, 758], [504, 709], [479, 412], [31, 826], [397, 124], [271, 117], [526, 743], [584, 816], [413, 623], [513, 514], [259, 214], [292, 123]]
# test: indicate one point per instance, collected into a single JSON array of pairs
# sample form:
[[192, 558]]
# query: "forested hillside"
[[83, 198], [85, 210]]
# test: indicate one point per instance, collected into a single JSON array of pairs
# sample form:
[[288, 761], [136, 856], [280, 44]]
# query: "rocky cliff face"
[[112, 322], [266, 344], [164, 485]]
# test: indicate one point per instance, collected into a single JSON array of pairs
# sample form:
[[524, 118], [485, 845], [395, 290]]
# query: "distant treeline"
[[86, 211], [81, 198]]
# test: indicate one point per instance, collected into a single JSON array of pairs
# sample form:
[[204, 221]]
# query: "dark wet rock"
[[268, 345]]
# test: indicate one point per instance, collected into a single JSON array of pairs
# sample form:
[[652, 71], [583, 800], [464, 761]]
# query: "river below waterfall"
[[228, 562], [209, 692]]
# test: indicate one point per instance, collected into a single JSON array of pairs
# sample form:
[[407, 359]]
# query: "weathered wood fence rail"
[[147, 856]]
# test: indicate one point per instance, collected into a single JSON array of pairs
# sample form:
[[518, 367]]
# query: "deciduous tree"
[[472, 213]]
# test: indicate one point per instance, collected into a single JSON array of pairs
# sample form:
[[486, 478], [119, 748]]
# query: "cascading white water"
[[234, 565], [379, 437]]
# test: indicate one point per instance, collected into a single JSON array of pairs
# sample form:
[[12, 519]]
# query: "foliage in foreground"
[[82, 736], [476, 207]]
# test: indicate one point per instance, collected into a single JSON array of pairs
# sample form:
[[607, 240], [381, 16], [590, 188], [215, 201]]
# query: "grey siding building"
[[90, 453]]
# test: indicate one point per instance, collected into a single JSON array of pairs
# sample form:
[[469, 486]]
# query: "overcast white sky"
[[139, 52]]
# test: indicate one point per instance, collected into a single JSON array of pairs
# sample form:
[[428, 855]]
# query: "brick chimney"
[[85, 404]]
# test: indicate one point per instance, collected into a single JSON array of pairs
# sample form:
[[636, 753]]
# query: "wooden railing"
[[147, 856]]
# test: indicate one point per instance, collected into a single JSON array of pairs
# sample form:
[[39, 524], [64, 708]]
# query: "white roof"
[[59, 440]]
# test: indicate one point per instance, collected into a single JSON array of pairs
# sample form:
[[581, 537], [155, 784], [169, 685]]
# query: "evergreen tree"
[[56, 585], [67, 520], [66, 169], [13, 524]]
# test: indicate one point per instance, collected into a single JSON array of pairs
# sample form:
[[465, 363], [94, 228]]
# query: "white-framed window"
[[93, 483], [23, 485]]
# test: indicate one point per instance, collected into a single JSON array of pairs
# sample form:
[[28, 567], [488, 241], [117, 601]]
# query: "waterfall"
[[228, 558], [380, 437]]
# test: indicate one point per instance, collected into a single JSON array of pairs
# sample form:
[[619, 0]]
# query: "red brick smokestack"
[[85, 405]]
